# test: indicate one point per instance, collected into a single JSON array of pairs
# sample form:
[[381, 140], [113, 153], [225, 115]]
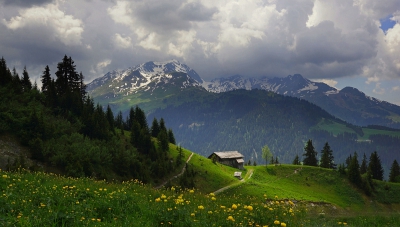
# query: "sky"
[[343, 43]]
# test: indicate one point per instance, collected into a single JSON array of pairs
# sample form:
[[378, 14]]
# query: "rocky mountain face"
[[144, 77], [348, 104]]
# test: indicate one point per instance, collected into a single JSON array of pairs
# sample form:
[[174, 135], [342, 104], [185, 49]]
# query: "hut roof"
[[228, 154]]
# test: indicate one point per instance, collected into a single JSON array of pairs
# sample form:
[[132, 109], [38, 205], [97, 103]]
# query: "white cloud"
[[122, 42], [329, 82], [378, 90], [65, 27]]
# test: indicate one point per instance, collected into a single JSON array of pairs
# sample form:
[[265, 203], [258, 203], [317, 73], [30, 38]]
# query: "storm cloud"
[[326, 40]]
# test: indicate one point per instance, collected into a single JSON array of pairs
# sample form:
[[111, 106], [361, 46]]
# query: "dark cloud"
[[195, 11], [25, 3]]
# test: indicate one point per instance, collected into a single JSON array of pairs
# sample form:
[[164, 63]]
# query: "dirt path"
[[248, 176], [176, 176]]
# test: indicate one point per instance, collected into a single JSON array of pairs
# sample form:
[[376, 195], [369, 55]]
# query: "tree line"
[[64, 128]]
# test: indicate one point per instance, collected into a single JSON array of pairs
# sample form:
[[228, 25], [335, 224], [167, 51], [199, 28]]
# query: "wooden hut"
[[229, 158]]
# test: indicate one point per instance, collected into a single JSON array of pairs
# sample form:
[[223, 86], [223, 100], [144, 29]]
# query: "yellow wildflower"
[[230, 218], [200, 207], [283, 224], [250, 208], [234, 206], [276, 222]]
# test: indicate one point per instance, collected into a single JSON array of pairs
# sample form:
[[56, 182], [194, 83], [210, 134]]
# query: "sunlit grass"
[[39, 199]]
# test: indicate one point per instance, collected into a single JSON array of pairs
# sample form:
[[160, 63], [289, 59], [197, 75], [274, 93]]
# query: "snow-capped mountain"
[[140, 77], [157, 80], [295, 85], [349, 104]]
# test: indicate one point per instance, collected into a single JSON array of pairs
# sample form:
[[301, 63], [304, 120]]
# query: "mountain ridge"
[[348, 104]]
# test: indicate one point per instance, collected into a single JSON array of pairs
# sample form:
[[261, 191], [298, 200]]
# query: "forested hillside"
[[65, 130], [247, 120]]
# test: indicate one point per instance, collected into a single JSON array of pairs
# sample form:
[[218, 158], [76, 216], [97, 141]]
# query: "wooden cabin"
[[229, 158]]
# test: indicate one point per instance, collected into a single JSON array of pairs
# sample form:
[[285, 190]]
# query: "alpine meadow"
[[159, 152]]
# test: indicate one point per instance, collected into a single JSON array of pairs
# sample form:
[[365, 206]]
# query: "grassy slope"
[[337, 128]]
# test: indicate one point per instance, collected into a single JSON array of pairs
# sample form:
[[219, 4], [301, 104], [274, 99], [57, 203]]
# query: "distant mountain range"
[[158, 80]]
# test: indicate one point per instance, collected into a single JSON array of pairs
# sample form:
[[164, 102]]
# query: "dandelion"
[[192, 214], [5, 176], [212, 194], [283, 224], [276, 222], [200, 207], [163, 196], [213, 198], [234, 206], [191, 191], [158, 200], [230, 218], [250, 208]]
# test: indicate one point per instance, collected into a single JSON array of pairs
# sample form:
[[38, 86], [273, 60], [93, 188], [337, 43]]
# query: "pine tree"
[[110, 118], [163, 142], [364, 167], [171, 137], [327, 160], [310, 154], [375, 166], [26, 82], [5, 74], [46, 80], [394, 172], [119, 121], [296, 160], [155, 128], [353, 172]]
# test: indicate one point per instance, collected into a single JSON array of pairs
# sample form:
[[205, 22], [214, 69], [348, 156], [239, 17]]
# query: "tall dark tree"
[[353, 171], [110, 118], [375, 166], [5, 73], [46, 80], [119, 120], [155, 128], [310, 154], [82, 85], [394, 172], [163, 141], [140, 117], [26, 81], [327, 159], [296, 160], [364, 166], [171, 137]]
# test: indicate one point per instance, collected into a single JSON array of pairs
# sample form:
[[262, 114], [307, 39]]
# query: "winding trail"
[[247, 177], [176, 176]]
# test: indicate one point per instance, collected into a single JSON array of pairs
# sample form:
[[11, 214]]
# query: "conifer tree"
[[327, 160], [5, 74], [163, 141], [26, 82], [353, 172], [296, 160], [155, 128], [110, 118], [46, 80], [310, 154], [171, 137], [119, 121], [394, 172], [375, 166], [364, 166]]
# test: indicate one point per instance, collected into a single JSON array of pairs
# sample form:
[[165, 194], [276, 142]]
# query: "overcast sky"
[[344, 43]]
